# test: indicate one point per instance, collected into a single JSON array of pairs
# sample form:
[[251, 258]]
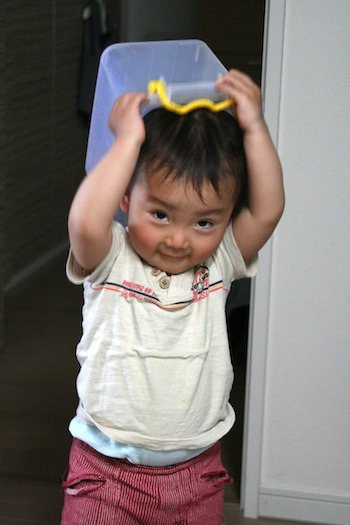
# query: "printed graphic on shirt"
[[200, 285], [201, 288]]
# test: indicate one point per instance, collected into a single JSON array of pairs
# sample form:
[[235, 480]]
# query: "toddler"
[[203, 193]]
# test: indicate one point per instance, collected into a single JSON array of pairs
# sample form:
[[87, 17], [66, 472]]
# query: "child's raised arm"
[[254, 224], [100, 193]]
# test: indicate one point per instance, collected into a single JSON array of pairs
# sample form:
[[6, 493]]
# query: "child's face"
[[171, 227]]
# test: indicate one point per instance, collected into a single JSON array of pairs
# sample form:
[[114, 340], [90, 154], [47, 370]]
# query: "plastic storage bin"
[[188, 67]]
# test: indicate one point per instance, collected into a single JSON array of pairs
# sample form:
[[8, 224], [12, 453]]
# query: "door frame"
[[271, 80]]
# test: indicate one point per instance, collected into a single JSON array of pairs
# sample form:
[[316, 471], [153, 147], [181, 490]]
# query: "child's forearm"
[[97, 201], [265, 182], [100, 194], [255, 224]]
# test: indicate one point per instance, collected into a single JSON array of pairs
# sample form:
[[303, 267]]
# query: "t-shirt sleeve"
[[231, 261], [75, 272]]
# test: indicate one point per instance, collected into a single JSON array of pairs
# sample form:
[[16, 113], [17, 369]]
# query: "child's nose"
[[177, 239]]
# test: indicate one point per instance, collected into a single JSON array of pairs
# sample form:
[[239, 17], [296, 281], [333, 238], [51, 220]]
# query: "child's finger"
[[246, 94], [237, 84], [125, 117], [237, 77]]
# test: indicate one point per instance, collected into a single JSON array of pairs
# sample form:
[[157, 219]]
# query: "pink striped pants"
[[105, 491]]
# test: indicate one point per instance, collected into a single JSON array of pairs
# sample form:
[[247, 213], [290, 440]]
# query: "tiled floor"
[[37, 391]]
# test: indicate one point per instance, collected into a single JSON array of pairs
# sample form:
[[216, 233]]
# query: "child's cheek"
[[143, 239], [208, 247]]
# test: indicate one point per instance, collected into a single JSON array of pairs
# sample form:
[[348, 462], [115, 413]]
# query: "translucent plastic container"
[[188, 67]]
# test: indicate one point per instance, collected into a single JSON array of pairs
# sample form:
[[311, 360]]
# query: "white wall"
[[302, 295]]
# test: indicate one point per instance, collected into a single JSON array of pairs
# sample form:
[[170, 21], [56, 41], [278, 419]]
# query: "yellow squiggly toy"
[[158, 87]]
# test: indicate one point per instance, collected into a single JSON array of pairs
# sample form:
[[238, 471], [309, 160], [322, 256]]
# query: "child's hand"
[[247, 98], [125, 119]]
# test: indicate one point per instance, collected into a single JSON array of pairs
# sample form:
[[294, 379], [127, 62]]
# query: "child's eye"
[[160, 216], [205, 225]]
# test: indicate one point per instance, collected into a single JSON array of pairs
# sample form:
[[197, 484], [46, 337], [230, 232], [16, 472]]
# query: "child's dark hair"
[[198, 147]]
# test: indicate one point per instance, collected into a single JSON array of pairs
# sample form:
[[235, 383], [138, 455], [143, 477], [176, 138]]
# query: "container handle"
[[158, 87]]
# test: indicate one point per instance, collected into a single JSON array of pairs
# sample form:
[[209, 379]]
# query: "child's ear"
[[125, 202]]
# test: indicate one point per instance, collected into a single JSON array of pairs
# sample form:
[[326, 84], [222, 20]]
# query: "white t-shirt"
[[155, 362]]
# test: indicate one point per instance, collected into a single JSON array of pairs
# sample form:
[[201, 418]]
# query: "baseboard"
[[36, 265], [330, 509]]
